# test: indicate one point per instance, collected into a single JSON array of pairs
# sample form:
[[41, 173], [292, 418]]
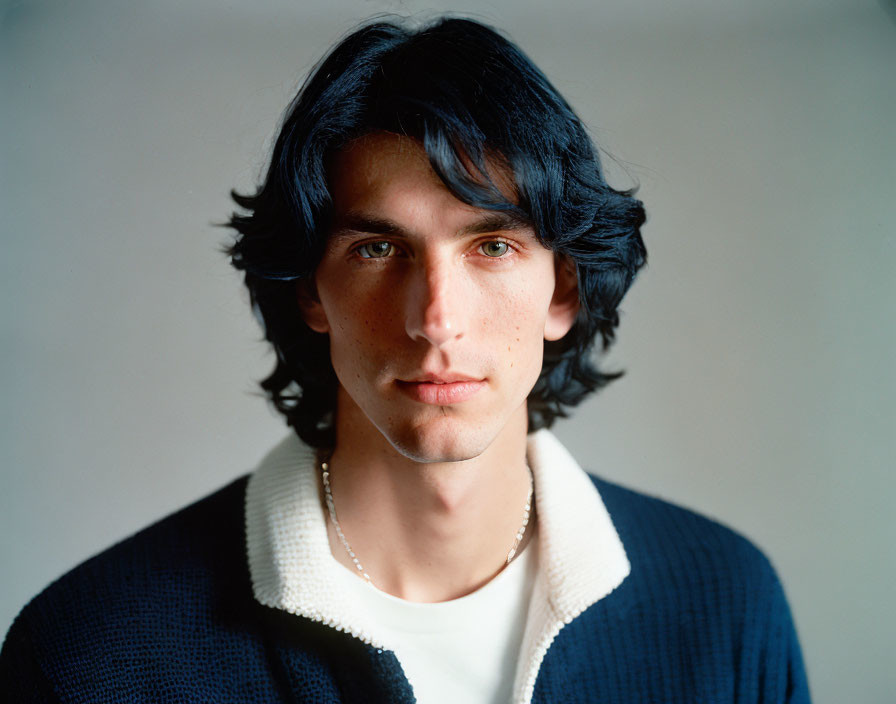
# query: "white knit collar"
[[581, 558]]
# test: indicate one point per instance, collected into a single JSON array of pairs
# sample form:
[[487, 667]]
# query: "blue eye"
[[376, 250], [495, 248]]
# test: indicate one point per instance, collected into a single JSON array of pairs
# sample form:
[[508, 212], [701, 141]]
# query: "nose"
[[435, 304]]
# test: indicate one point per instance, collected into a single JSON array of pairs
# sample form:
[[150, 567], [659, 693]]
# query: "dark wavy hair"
[[469, 96]]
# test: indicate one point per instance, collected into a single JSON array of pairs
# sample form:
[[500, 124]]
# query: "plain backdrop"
[[759, 343]]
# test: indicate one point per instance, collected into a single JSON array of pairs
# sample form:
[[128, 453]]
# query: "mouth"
[[440, 390]]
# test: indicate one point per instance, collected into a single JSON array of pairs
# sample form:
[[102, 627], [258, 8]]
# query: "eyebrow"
[[352, 224]]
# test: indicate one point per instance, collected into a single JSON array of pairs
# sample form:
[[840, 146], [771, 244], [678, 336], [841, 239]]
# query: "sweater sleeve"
[[785, 677], [769, 667], [22, 680]]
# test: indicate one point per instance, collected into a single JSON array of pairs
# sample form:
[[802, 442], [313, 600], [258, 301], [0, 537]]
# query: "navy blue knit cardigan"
[[168, 615]]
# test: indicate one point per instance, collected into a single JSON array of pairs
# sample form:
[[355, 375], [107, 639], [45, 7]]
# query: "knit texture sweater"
[[172, 615]]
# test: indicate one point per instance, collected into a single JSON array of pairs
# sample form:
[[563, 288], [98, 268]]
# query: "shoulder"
[[658, 534], [186, 545], [700, 601], [710, 581], [138, 600], [692, 570]]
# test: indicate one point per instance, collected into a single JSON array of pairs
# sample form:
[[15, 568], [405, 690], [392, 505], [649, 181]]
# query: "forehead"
[[368, 165], [387, 169]]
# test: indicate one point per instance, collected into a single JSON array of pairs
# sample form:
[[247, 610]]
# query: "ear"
[[310, 306], [565, 302]]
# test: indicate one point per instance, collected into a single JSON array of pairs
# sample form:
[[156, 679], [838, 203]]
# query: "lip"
[[441, 390]]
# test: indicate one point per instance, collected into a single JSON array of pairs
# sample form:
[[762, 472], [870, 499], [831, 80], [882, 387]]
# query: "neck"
[[430, 531]]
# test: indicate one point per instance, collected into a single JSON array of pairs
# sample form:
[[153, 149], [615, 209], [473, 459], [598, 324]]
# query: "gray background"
[[759, 342]]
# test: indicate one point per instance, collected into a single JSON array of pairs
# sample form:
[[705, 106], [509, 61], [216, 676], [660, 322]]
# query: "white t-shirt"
[[464, 650]]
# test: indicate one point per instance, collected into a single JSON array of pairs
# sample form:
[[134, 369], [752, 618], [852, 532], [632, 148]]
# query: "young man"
[[432, 255]]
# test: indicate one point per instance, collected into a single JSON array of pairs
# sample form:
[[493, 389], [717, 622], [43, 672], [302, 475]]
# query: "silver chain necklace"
[[331, 507]]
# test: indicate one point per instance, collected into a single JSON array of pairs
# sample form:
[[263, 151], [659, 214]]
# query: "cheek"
[[361, 323], [518, 326]]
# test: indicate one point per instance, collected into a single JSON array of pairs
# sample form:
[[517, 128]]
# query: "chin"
[[443, 440]]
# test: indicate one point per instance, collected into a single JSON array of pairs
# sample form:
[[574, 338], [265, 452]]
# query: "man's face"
[[436, 310]]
